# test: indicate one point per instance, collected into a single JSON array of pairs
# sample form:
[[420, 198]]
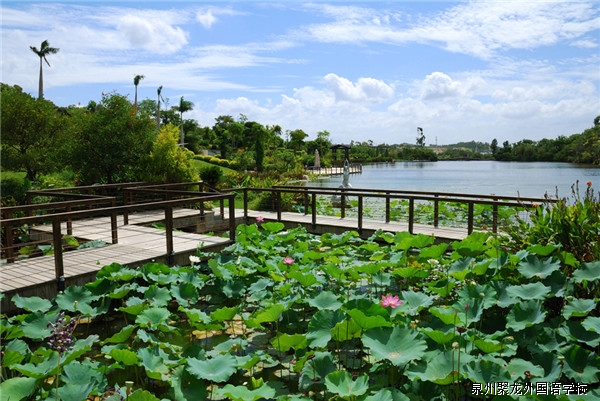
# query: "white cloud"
[[152, 34], [366, 89], [206, 18], [439, 85], [479, 29]]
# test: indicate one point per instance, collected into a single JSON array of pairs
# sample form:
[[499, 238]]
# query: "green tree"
[[114, 142], [256, 132], [183, 107], [225, 129], [297, 138], [31, 132], [159, 98], [43, 51], [494, 146], [420, 137], [136, 82], [168, 161]]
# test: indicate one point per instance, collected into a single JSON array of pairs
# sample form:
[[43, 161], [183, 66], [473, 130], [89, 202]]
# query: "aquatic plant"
[[393, 317]]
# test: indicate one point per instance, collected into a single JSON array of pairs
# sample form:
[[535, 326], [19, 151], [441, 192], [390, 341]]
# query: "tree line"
[[578, 148], [116, 140]]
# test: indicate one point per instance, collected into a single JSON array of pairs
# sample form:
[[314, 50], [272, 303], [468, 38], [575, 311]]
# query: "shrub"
[[211, 175], [14, 191], [573, 224]]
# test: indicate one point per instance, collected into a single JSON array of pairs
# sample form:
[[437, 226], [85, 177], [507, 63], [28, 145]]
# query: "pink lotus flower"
[[391, 301], [288, 261], [260, 219]]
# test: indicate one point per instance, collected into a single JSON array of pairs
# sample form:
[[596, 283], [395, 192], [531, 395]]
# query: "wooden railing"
[[335, 170], [309, 201], [57, 213]]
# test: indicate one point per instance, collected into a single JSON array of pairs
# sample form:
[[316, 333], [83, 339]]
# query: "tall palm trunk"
[[41, 82]]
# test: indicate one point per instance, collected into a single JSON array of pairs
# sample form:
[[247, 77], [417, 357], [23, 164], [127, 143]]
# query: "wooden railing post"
[[314, 210], [436, 211], [69, 222], [59, 269], [278, 201], [387, 207], [232, 222], [113, 228], [245, 202], [360, 214], [411, 214], [495, 216], [305, 201], [10, 256], [343, 204], [169, 232], [470, 223]]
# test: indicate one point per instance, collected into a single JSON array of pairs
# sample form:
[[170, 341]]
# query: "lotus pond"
[[287, 315]]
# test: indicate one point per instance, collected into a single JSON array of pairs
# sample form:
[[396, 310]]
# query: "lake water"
[[532, 179]]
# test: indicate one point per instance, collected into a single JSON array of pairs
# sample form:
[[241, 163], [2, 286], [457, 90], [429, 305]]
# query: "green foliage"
[[113, 142], [283, 314], [578, 148], [33, 132], [169, 162], [211, 176], [572, 224], [13, 191]]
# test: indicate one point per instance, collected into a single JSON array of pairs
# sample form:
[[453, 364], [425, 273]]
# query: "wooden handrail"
[[113, 211], [436, 197]]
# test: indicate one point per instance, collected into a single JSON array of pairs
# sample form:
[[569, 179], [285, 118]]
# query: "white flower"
[[194, 259]]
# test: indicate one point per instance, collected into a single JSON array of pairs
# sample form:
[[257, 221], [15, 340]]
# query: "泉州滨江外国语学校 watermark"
[[527, 388]]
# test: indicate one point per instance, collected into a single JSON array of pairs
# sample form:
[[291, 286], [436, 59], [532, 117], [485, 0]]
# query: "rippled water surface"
[[475, 177]]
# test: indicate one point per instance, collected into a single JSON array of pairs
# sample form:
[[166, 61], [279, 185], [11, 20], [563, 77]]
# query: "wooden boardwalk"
[[139, 243]]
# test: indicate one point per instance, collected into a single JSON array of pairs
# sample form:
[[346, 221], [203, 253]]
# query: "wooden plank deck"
[[139, 243]]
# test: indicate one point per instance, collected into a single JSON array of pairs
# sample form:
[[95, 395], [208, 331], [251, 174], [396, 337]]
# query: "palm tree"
[[158, 91], [44, 50], [184, 105], [136, 82]]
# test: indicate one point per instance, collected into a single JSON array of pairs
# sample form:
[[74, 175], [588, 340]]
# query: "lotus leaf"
[[217, 369], [316, 369], [77, 299], [580, 364], [320, 325], [341, 384], [325, 300], [578, 307], [574, 329], [32, 304], [592, 323], [525, 314], [284, 342], [532, 266], [486, 371], [224, 314], [17, 388], [414, 302], [186, 387], [398, 345], [387, 394], [152, 317], [440, 367], [158, 296], [528, 291], [587, 271], [242, 393]]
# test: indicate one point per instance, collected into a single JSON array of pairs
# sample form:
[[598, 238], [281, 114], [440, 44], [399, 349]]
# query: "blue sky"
[[360, 70]]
